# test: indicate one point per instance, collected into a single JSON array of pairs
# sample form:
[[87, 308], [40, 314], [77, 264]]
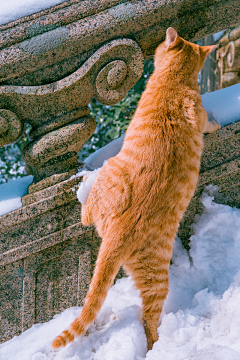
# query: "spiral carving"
[[107, 75], [11, 127], [118, 76], [55, 111], [109, 81], [230, 55]]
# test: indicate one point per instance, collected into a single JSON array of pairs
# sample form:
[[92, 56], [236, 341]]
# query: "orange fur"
[[139, 196]]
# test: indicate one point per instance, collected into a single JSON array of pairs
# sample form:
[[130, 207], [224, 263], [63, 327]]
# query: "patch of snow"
[[218, 35], [201, 316], [11, 193], [223, 105], [85, 186], [13, 10], [110, 150], [95, 162]]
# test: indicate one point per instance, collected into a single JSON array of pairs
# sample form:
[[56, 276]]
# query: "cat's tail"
[[107, 265]]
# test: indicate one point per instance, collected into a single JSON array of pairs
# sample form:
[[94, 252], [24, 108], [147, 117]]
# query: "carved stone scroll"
[[10, 127], [56, 111], [38, 105], [33, 53], [228, 57]]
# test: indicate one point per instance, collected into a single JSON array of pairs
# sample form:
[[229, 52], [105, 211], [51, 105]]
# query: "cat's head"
[[181, 51]]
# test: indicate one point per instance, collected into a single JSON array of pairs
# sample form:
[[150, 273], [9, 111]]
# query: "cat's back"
[[159, 161]]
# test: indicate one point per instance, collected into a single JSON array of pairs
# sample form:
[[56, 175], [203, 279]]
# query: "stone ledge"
[[47, 258], [221, 147], [40, 244], [50, 191], [32, 210], [28, 26], [225, 176], [143, 21], [220, 173]]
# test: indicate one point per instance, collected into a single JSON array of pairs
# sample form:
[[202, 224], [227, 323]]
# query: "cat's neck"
[[173, 72], [173, 78]]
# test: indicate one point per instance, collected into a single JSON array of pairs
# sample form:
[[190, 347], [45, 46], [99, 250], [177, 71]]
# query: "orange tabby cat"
[[139, 196]]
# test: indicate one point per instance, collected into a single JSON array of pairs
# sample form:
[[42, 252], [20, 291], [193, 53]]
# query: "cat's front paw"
[[210, 127], [216, 125]]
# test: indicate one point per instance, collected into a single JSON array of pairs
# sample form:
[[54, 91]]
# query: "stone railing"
[[51, 65]]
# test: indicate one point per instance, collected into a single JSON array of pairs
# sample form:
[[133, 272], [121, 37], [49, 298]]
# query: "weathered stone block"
[[46, 257]]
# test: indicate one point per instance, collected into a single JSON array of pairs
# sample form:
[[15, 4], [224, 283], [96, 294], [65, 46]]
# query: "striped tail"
[[63, 339], [107, 266]]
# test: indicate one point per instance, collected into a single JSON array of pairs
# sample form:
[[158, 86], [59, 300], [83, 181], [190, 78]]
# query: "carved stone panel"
[[46, 257], [56, 279], [11, 295]]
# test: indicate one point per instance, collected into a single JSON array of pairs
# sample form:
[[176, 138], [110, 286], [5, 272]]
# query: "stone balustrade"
[[51, 65]]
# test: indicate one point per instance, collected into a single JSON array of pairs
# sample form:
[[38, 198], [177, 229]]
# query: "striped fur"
[[140, 195]]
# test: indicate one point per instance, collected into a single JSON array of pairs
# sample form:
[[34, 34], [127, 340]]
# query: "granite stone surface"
[[46, 257], [72, 31], [220, 166], [52, 64]]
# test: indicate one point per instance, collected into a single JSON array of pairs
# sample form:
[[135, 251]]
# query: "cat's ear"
[[207, 49], [172, 38]]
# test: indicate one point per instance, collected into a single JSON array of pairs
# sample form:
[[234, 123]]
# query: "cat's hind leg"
[[108, 263], [150, 272]]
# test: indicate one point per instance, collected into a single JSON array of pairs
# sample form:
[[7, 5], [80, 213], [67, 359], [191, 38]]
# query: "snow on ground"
[[201, 317], [13, 10], [86, 185], [217, 36]]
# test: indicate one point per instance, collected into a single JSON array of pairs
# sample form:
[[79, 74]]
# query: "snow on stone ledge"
[[223, 105], [15, 9], [11, 193]]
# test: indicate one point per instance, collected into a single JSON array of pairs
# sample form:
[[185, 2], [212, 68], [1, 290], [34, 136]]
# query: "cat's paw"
[[211, 126], [216, 125]]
